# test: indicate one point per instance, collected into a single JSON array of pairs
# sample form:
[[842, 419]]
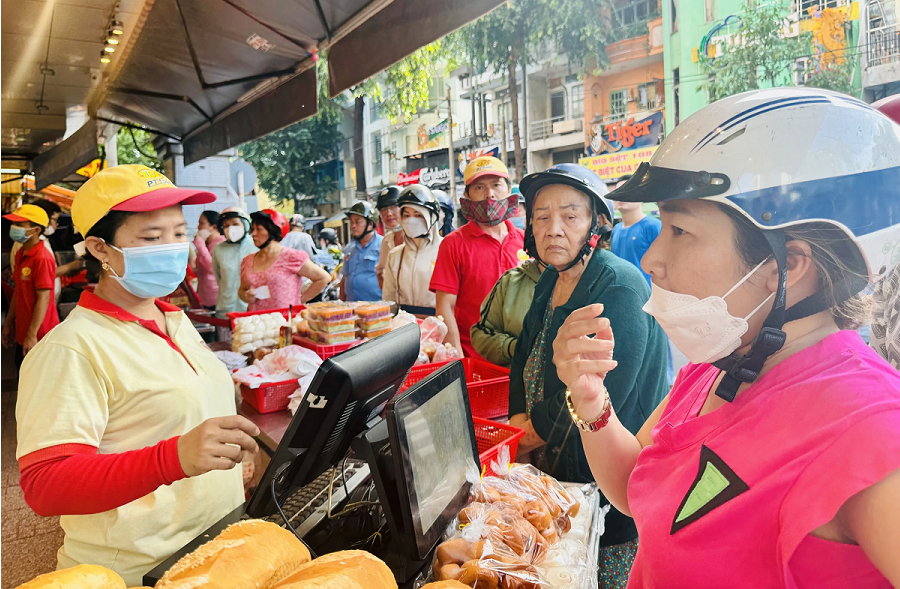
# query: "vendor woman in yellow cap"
[[32, 313], [126, 421]]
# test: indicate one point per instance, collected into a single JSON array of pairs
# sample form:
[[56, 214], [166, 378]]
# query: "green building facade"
[[687, 22]]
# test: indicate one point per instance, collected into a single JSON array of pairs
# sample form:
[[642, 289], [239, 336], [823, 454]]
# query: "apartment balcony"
[[640, 111], [882, 56], [555, 133], [638, 40]]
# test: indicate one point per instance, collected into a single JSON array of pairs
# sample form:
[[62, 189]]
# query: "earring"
[[105, 266]]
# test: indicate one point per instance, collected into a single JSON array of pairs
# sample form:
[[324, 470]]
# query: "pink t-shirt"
[[725, 499], [281, 277]]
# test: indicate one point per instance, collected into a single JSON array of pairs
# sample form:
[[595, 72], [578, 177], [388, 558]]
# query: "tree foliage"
[[520, 30], [289, 162], [761, 54], [135, 146]]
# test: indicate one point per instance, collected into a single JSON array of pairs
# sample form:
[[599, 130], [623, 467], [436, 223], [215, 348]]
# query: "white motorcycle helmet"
[[784, 157]]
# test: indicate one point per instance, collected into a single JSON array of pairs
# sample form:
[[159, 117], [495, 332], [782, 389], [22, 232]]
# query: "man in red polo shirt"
[[474, 257], [32, 312]]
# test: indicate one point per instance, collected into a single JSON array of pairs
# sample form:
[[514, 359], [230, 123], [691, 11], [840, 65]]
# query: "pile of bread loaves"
[[252, 553]]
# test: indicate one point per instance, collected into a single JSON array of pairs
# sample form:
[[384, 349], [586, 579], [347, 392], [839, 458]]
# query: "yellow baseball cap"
[[32, 213], [129, 187], [484, 166]]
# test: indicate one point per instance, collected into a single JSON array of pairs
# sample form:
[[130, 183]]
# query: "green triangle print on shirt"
[[716, 484]]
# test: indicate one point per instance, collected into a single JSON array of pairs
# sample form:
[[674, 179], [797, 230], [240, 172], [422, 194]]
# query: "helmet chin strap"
[[770, 339]]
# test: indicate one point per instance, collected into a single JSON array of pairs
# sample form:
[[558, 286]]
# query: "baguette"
[[446, 585], [348, 569], [83, 576], [252, 553]]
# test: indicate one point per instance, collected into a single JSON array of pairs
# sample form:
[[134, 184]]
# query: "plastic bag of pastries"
[[491, 546], [538, 498]]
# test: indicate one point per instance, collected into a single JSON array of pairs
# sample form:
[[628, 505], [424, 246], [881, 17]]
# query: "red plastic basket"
[[270, 397], [491, 436], [488, 385], [324, 351]]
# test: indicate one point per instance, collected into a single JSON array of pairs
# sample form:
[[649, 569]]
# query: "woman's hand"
[[583, 361], [216, 444], [246, 294]]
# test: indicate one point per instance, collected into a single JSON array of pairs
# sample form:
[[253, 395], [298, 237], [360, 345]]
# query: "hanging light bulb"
[[109, 48], [112, 39], [104, 57], [117, 28]]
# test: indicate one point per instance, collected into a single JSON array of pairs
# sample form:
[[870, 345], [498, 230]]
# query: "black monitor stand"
[[374, 447]]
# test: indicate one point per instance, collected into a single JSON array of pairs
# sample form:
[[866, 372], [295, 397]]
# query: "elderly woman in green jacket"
[[503, 312], [568, 219]]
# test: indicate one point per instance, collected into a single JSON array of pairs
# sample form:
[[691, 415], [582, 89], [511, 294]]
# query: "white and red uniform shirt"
[[728, 499]]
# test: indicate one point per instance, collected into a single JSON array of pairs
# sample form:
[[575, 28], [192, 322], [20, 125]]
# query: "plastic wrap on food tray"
[[445, 353], [255, 331], [434, 330], [508, 536], [402, 318]]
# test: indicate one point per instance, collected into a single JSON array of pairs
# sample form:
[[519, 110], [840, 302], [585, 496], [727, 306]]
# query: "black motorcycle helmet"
[[387, 197], [581, 179], [422, 196]]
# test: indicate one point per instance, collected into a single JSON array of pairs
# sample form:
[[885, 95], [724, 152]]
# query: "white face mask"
[[702, 330], [234, 233], [50, 230], [204, 234], [414, 227]]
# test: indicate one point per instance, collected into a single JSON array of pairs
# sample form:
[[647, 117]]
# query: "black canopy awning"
[[217, 73]]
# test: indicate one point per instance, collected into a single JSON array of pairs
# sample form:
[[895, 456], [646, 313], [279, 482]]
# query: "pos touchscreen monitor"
[[348, 393], [433, 442]]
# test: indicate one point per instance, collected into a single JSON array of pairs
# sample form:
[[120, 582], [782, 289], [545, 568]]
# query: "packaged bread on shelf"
[[330, 339], [370, 312], [83, 576], [348, 569], [375, 324], [252, 553], [522, 530], [330, 312], [333, 326], [374, 333]]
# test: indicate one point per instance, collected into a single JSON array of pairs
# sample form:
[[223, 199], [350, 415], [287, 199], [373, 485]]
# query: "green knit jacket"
[[503, 313]]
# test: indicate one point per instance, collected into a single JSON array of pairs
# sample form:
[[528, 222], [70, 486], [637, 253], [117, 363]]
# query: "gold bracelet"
[[595, 425]]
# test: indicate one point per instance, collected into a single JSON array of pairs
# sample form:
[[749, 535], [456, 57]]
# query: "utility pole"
[[503, 134], [450, 151]]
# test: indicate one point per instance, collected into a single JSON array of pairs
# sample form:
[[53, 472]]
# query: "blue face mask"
[[19, 234], [153, 271]]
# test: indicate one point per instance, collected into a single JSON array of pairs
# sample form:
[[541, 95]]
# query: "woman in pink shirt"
[[272, 278], [207, 238], [775, 459]]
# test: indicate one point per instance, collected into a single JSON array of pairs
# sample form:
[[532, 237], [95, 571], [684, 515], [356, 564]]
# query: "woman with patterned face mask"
[[126, 420], [410, 265], [774, 461]]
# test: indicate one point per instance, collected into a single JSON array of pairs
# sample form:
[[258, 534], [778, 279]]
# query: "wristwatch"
[[590, 426]]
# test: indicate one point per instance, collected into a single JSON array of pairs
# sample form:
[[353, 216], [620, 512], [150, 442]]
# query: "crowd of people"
[[771, 459]]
